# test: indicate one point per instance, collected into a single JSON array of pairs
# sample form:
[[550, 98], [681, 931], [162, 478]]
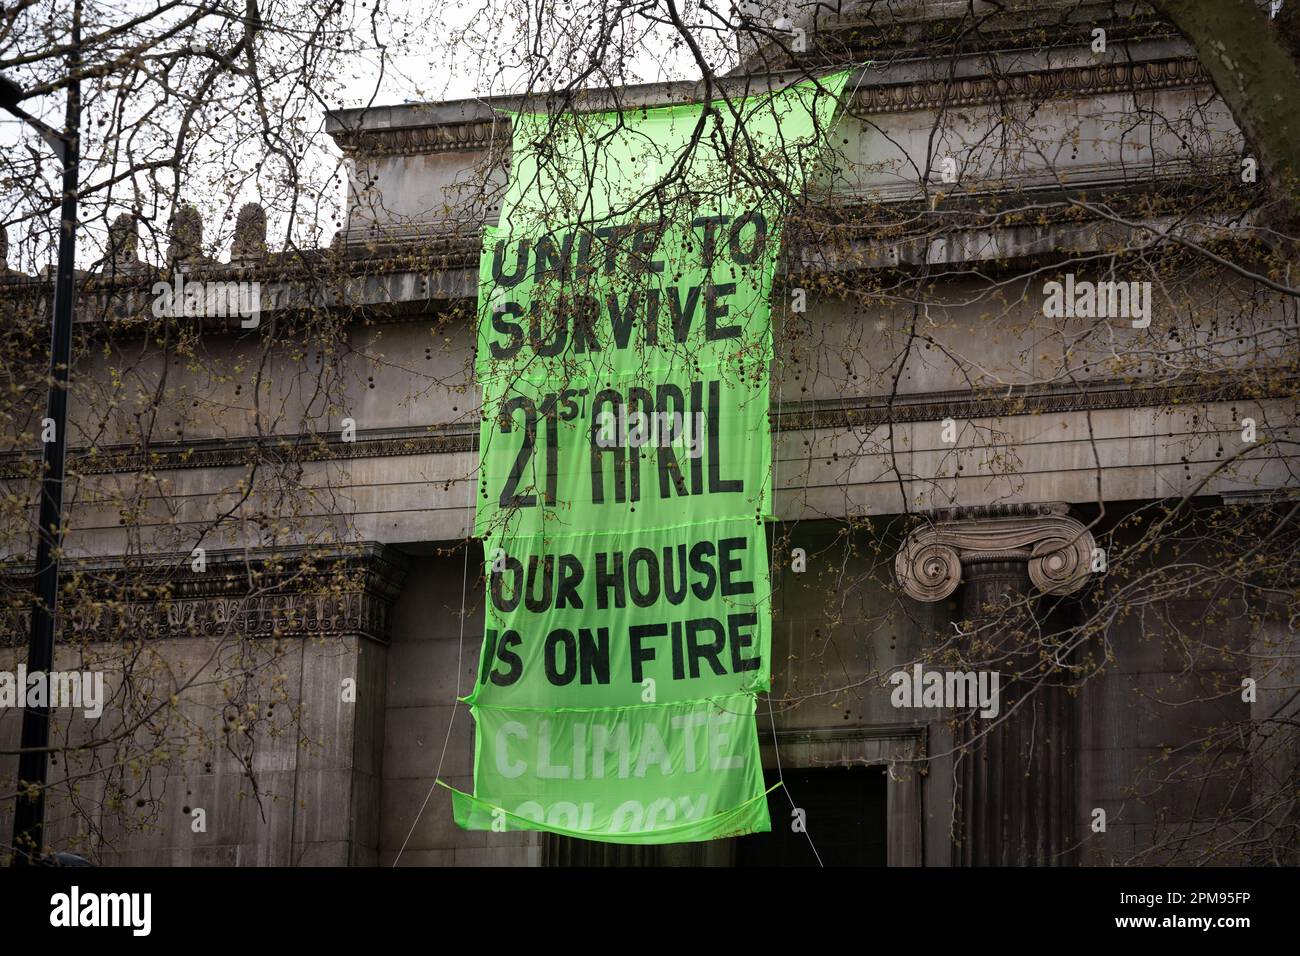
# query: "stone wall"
[[432, 661], [302, 790], [861, 397]]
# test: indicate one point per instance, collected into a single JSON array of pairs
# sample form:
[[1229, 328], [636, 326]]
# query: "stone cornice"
[[1058, 548], [833, 734], [1040, 85], [909, 30], [458, 438], [1080, 81], [476, 137], [292, 592], [407, 271], [1023, 400], [428, 251]]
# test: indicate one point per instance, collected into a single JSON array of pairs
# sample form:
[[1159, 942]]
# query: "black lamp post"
[[29, 811]]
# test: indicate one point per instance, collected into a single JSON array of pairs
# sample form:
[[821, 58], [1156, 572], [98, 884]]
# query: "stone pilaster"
[[1014, 771]]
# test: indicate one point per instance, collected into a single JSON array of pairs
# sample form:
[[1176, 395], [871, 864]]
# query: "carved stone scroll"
[[1057, 548]]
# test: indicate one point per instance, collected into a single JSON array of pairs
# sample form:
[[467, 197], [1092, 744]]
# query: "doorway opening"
[[844, 812]]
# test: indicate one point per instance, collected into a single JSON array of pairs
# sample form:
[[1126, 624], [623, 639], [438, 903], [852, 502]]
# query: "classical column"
[[1014, 771]]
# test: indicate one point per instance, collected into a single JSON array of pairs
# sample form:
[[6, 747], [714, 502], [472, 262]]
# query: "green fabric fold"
[[624, 347]]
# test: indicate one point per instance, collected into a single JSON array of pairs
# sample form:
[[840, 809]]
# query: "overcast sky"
[[416, 65], [448, 50]]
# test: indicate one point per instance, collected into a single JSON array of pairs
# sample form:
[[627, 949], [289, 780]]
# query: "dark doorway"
[[845, 813]]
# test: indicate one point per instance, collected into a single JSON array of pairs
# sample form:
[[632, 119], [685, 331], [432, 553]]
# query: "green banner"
[[623, 350]]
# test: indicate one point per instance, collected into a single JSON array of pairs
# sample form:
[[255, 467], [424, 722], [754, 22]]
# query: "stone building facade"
[[391, 598]]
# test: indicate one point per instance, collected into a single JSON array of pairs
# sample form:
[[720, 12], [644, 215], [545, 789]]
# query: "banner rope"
[[776, 461], [771, 547], [460, 655], [471, 483]]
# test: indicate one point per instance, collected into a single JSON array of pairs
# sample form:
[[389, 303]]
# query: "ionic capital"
[[1058, 548]]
